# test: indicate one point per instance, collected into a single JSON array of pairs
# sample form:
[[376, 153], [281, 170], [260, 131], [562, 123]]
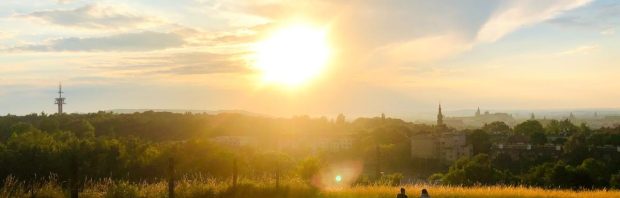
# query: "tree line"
[[588, 157], [137, 147]]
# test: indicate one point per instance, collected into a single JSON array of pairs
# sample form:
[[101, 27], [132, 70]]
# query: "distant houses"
[[479, 119], [443, 145], [448, 146], [441, 142]]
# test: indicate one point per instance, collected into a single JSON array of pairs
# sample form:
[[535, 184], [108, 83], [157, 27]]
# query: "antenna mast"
[[60, 100]]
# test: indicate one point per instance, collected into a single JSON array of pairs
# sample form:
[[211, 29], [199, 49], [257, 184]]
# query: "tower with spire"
[[60, 100], [439, 117], [478, 112]]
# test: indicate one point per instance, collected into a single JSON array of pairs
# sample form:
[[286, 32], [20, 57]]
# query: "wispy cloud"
[[95, 16], [586, 49], [6, 35], [418, 50], [601, 16], [174, 63], [523, 13], [142, 41]]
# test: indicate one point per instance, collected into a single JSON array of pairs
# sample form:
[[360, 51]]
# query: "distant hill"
[[194, 111]]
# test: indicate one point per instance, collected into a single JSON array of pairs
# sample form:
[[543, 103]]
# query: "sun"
[[292, 55]]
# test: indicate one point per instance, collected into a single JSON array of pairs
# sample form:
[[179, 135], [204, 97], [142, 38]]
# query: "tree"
[[479, 139], [496, 127], [564, 128], [529, 127], [340, 119], [49, 124], [82, 129], [537, 175], [476, 170], [575, 148], [553, 127], [567, 128], [559, 175], [309, 168], [596, 170], [538, 138], [614, 182]]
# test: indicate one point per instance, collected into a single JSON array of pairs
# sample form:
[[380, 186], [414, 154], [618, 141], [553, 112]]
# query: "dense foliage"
[[137, 147], [587, 159]]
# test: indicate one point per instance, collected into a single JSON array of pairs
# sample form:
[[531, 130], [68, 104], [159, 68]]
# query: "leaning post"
[[171, 177]]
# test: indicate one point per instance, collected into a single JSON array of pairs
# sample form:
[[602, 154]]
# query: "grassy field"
[[292, 189], [457, 191]]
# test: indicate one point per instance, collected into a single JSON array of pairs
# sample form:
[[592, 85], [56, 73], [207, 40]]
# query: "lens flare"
[[338, 178], [338, 175]]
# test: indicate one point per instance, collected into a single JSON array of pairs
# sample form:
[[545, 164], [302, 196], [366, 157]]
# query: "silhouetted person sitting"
[[402, 193], [425, 194]]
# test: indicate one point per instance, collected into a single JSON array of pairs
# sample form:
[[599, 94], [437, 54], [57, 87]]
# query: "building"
[[333, 144], [424, 146], [234, 141], [440, 118], [517, 150], [478, 120], [453, 146], [447, 147], [442, 145]]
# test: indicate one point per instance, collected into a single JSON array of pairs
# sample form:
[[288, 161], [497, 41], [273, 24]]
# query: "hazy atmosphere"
[[397, 57], [309, 99]]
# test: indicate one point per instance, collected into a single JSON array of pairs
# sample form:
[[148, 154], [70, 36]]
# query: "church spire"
[[478, 112], [439, 117]]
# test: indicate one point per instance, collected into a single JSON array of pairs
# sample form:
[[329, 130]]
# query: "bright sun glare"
[[292, 55]]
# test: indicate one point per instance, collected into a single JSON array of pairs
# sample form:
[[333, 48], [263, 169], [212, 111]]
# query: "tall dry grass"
[[438, 191], [292, 188]]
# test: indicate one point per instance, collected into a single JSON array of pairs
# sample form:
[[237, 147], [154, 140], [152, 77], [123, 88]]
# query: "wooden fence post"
[[235, 172], [378, 171], [277, 174], [73, 184], [171, 177]]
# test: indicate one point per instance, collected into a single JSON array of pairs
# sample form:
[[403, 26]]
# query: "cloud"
[[586, 49], [142, 41], [425, 49], [206, 63], [600, 16], [523, 13], [608, 31], [95, 17], [6, 35], [168, 63]]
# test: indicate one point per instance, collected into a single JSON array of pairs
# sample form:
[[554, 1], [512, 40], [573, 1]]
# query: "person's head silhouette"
[[402, 190], [424, 192]]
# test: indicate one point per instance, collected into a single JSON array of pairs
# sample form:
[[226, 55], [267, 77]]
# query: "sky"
[[398, 57]]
